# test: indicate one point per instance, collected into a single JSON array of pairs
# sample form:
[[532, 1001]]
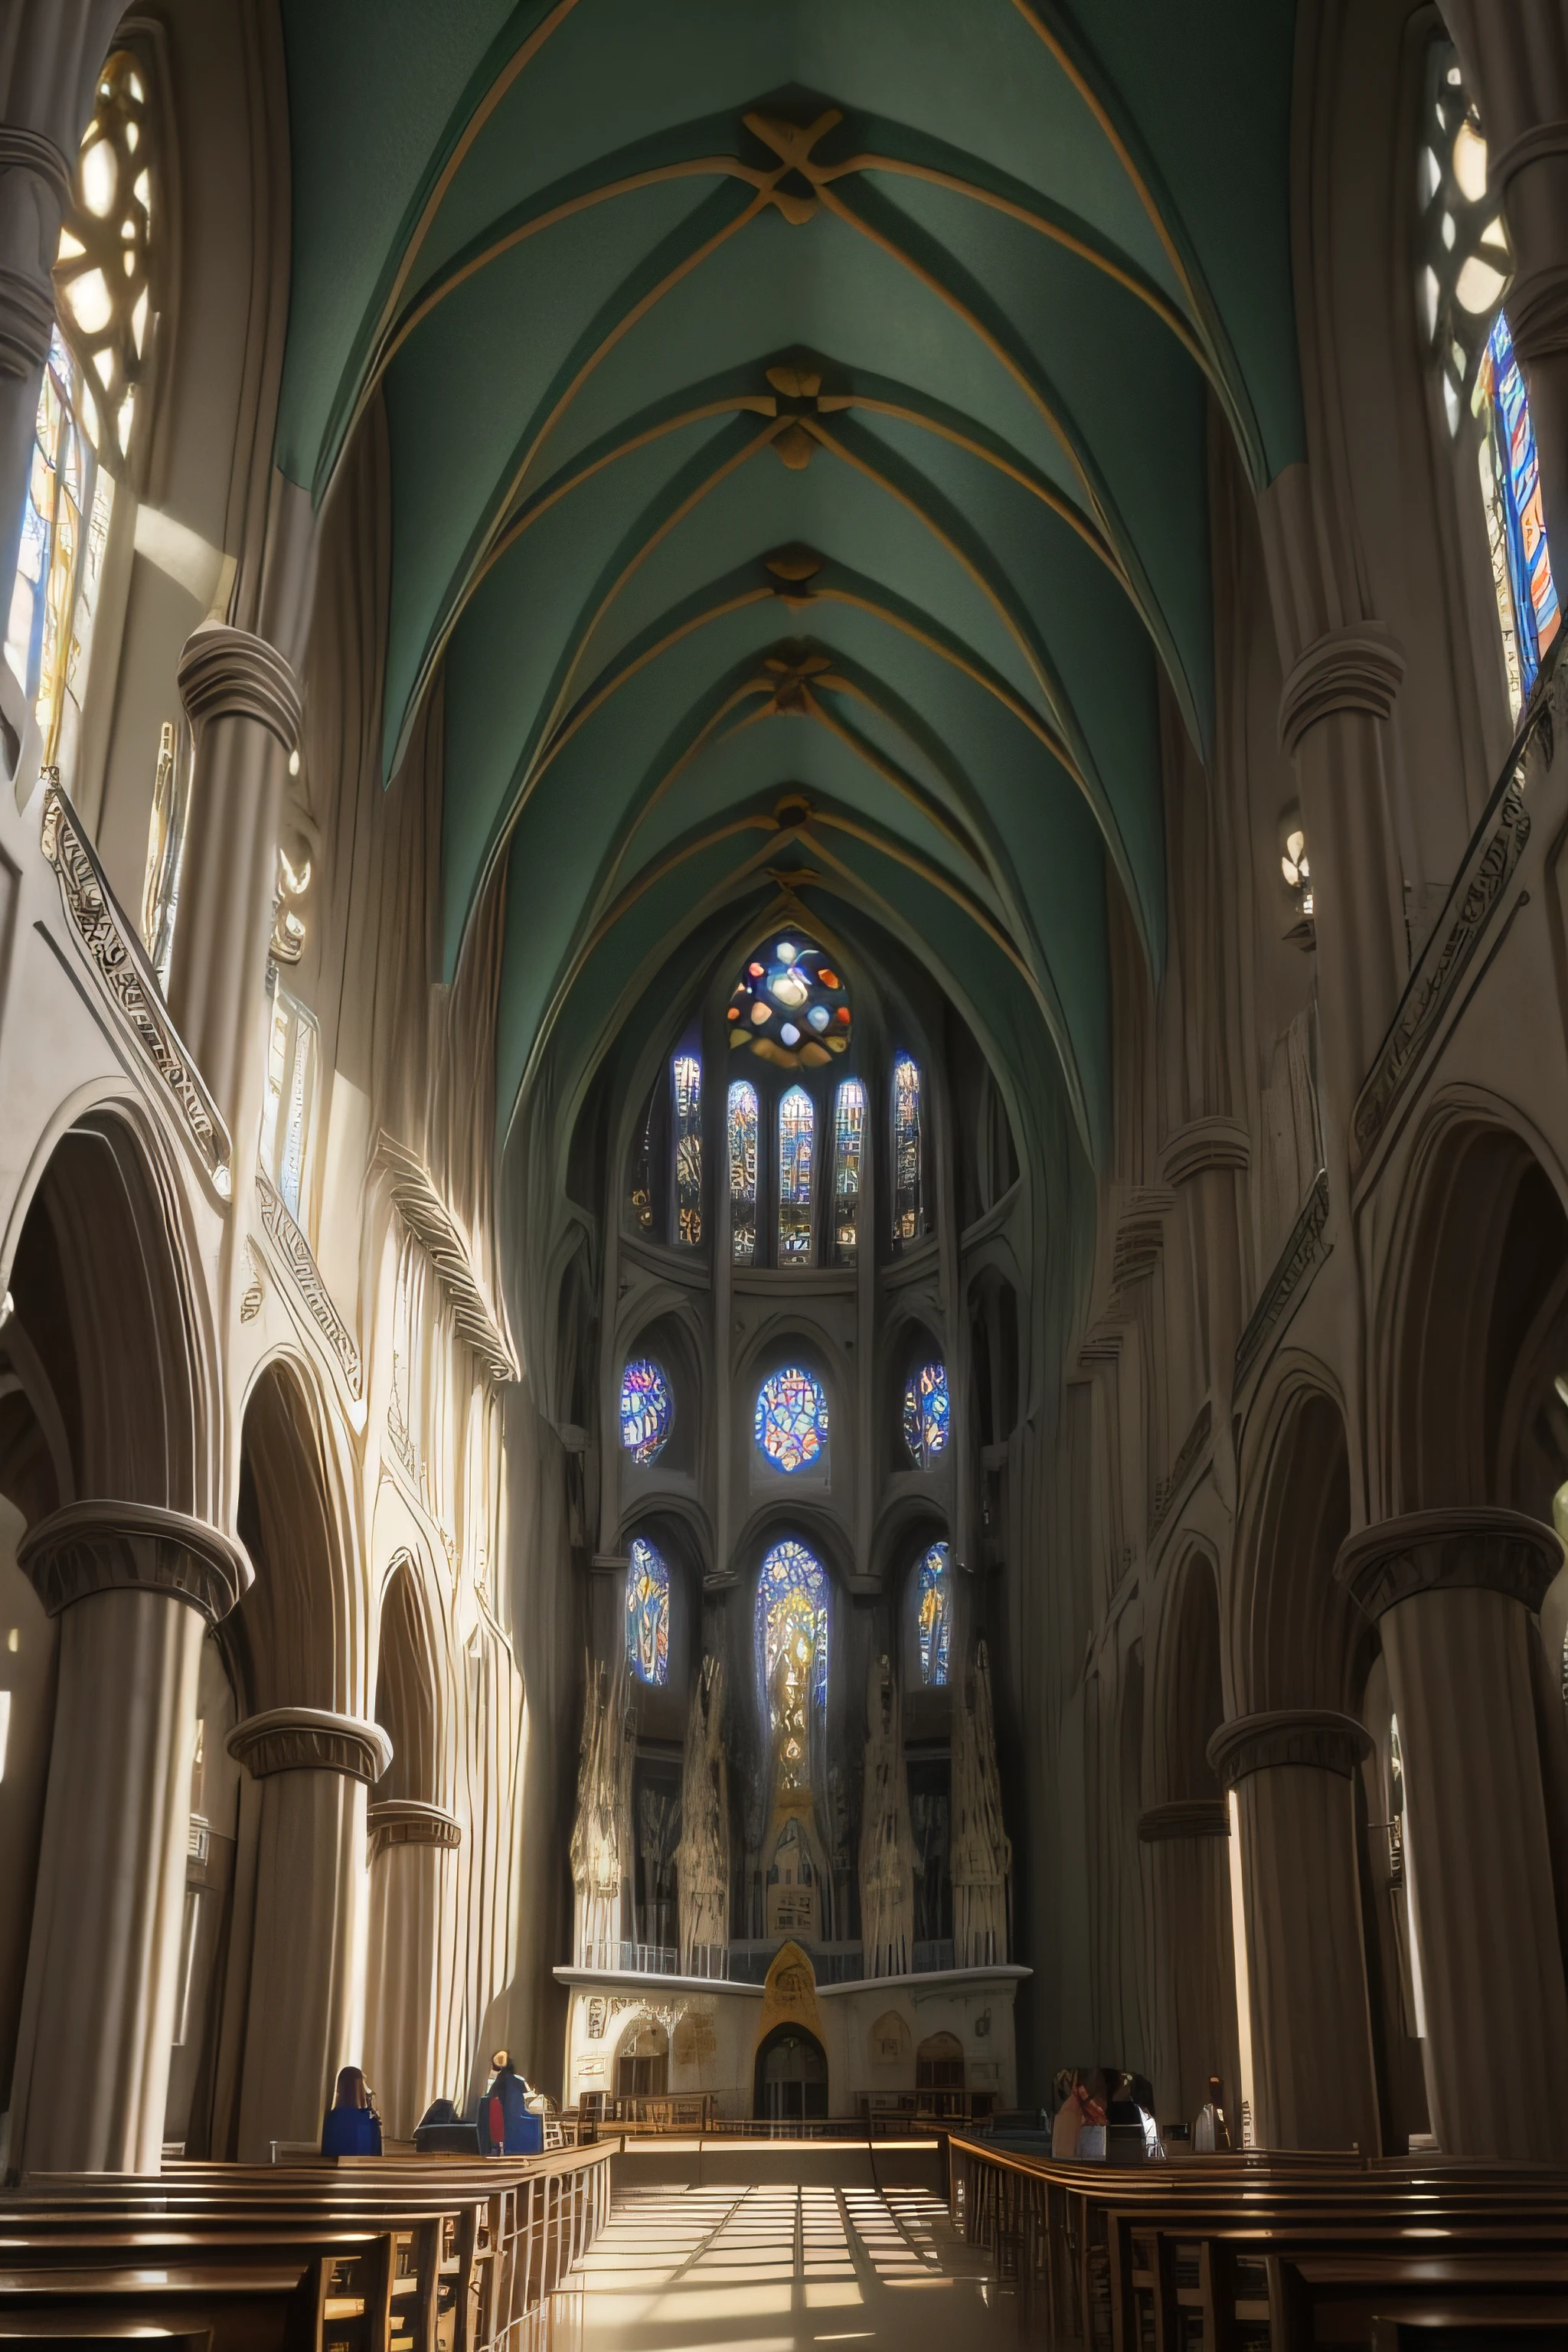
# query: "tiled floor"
[[773, 2268]]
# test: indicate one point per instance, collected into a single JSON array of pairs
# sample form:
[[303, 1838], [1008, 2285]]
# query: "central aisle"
[[778, 2268]]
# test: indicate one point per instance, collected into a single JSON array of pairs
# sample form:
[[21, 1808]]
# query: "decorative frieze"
[[1302, 1252], [408, 1820], [105, 1547], [446, 1244], [1477, 1548], [309, 1740], [1194, 1446], [294, 1251], [1318, 1738], [1184, 1817], [127, 978]]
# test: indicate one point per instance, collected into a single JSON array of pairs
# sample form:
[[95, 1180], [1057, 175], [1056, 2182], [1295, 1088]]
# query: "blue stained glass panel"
[[909, 1218], [792, 1611], [648, 1408], [926, 1412], [797, 1134], [934, 1588], [1517, 474], [791, 1423], [743, 1134], [647, 1613]]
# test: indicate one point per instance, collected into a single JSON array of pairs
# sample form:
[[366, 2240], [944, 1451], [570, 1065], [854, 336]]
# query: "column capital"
[[408, 1820], [1317, 1738], [228, 673], [309, 1740], [101, 1546], [1480, 1546], [1358, 667], [27, 293], [1184, 1817]]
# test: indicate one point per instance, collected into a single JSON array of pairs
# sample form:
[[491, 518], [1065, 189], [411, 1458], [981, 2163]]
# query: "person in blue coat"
[[508, 2125], [352, 2126]]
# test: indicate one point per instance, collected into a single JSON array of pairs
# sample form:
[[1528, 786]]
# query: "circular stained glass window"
[[926, 1414], [790, 1006], [648, 1408], [791, 1426]]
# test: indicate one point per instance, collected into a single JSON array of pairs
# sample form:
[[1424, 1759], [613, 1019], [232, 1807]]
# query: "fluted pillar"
[[306, 2013], [413, 1889], [1186, 1848], [135, 1588], [1313, 2073], [1333, 713], [1451, 1593], [1515, 61], [243, 708]]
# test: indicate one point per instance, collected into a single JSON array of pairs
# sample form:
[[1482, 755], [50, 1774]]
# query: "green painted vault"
[[798, 419]]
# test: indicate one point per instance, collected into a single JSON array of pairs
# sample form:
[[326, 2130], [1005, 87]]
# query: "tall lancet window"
[[934, 1615], [849, 1150], [741, 1121], [908, 1171], [792, 1653], [797, 1151], [647, 1613], [686, 1083]]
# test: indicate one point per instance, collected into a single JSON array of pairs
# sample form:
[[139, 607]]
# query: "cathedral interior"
[[783, 1259]]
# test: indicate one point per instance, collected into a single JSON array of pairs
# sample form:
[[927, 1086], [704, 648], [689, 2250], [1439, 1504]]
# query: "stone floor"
[[772, 2267]]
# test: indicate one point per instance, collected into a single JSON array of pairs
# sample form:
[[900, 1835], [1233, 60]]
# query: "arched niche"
[[672, 1342], [1189, 1690], [291, 1641], [785, 1341], [1300, 1641], [910, 1346], [661, 1708], [993, 1356], [407, 1691], [642, 2060], [1479, 1331]]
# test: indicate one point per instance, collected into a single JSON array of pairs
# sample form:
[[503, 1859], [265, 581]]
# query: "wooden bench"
[[394, 2254], [1291, 2251]]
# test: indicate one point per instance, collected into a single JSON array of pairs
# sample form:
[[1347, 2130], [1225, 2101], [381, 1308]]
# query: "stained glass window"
[[647, 1613], [797, 1126], [909, 1207], [743, 1131], [686, 1082], [60, 563], [288, 1112], [1516, 525], [791, 1423], [790, 1006], [792, 1651], [926, 1414], [934, 1617], [648, 1408], [848, 1144]]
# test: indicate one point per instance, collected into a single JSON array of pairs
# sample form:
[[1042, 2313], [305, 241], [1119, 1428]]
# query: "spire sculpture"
[[888, 1864], [702, 1857], [982, 1864], [602, 1834]]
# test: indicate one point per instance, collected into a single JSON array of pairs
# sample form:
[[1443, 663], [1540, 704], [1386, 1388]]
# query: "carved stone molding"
[[101, 1547], [309, 1740], [405, 1821], [228, 673], [1540, 302], [1202, 1144], [446, 1244], [1540, 144], [295, 1252], [1187, 1462], [1355, 669], [120, 966], [1479, 1548], [1313, 1737], [1302, 1253], [1184, 1817], [26, 297]]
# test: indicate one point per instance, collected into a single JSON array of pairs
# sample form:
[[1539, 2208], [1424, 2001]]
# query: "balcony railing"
[[710, 1960]]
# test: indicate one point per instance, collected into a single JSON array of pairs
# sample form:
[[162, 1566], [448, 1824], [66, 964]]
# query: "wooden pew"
[[1220, 2250], [438, 2254]]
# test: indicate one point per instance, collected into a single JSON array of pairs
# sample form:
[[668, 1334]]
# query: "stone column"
[[135, 1588], [1451, 1593], [1188, 1861], [243, 708], [306, 2009], [1515, 62], [413, 1892], [1312, 2072]]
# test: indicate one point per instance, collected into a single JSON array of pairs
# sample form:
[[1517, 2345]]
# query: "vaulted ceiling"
[[797, 416]]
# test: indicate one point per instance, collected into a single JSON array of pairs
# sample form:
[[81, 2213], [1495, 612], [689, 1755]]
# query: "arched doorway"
[[939, 2075], [790, 2082], [642, 2062]]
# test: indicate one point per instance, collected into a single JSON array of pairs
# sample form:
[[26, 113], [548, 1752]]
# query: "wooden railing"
[[1283, 2250], [378, 2254]]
